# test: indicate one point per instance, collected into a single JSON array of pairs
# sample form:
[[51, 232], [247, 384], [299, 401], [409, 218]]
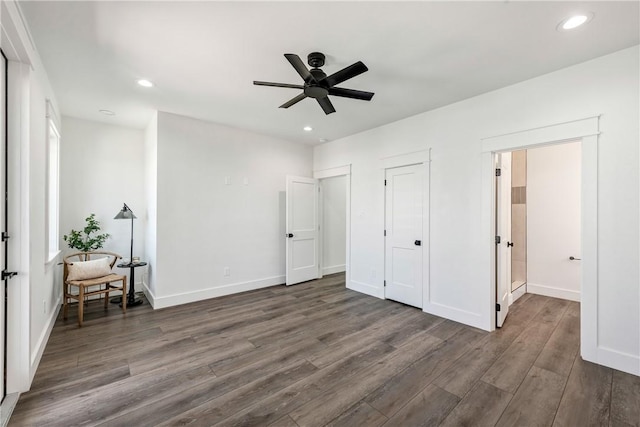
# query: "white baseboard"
[[625, 362], [151, 297], [333, 269], [550, 291], [366, 288], [44, 338], [513, 296], [455, 314], [203, 294]]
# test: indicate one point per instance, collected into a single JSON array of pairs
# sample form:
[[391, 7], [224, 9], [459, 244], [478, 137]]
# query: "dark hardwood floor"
[[318, 354]]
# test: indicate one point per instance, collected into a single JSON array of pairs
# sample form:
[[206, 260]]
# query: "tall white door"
[[503, 230], [403, 230], [302, 230]]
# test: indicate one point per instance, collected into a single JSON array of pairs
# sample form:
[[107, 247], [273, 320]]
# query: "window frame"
[[52, 187]]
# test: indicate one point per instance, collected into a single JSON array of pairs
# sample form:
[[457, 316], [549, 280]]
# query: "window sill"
[[51, 259]]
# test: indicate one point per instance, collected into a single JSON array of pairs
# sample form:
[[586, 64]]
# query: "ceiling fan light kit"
[[318, 85]]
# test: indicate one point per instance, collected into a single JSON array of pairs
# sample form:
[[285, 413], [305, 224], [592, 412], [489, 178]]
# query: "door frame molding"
[[502, 225], [422, 157], [330, 173], [17, 46], [587, 131]]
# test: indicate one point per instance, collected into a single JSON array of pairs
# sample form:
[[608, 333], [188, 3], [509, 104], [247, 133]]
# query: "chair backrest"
[[86, 256]]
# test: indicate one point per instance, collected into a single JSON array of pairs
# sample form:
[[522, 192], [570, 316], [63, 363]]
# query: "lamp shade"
[[125, 213]]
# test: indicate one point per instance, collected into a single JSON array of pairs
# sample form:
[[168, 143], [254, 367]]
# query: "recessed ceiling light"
[[574, 22], [307, 128], [323, 140], [107, 112], [145, 83]]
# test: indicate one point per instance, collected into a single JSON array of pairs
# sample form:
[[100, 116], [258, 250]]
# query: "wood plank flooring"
[[318, 354]]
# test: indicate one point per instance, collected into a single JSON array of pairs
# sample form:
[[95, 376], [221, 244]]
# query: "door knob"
[[289, 235], [418, 243], [572, 258], [509, 244]]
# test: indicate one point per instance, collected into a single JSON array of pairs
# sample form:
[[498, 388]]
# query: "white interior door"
[[302, 230], [403, 230], [503, 227]]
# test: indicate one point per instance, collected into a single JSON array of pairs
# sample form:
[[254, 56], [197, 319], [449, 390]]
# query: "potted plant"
[[87, 239]]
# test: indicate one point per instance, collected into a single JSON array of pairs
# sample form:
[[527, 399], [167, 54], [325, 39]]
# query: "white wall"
[[553, 220], [334, 216], [220, 203], [102, 167], [607, 86]]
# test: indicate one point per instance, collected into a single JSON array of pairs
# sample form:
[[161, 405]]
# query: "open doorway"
[[538, 221], [333, 225]]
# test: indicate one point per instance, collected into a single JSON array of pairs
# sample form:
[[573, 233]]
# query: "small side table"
[[132, 301]]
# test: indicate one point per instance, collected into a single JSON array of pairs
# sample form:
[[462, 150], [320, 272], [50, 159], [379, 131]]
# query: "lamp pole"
[[131, 252], [131, 300], [128, 211]]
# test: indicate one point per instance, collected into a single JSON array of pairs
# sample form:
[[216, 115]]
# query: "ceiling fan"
[[318, 85]]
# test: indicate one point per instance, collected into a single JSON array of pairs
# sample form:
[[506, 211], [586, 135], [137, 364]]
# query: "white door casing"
[[302, 261], [503, 227], [3, 265], [403, 234], [587, 131]]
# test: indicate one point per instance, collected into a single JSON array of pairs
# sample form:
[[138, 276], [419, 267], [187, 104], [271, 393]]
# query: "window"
[[53, 173]]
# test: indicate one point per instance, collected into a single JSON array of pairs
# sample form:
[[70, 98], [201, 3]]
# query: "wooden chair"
[[88, 286]]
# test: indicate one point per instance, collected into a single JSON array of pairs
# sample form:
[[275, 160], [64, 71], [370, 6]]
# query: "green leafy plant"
[[86, 240]]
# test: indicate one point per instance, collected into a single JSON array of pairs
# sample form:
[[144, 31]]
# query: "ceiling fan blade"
[[278, 85], [293, 101], [351, 93], [346, 73], [299, 66], [326, 105]]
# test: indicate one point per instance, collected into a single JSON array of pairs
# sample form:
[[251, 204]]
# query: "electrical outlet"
[[227, 180], [246, 180], [227, 272]]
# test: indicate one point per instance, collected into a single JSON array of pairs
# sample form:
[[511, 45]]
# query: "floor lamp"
[[127, 213]]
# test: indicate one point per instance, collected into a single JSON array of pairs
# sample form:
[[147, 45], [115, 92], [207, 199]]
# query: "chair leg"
[[124, 294], [81, 306], [65, 301], [106, 297]]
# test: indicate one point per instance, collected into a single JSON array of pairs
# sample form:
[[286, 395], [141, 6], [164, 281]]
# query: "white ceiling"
[[203, 56]]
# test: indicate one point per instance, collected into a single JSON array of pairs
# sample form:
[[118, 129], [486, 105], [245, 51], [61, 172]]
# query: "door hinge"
[[497, 240], [5, 236], [385, 283], [498, 172], [385, 182], [8, 274], [497, 307], [385, 232]]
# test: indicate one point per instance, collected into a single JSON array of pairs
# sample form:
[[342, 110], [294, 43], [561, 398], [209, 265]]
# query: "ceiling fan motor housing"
[[315, 91], [318, 88]]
